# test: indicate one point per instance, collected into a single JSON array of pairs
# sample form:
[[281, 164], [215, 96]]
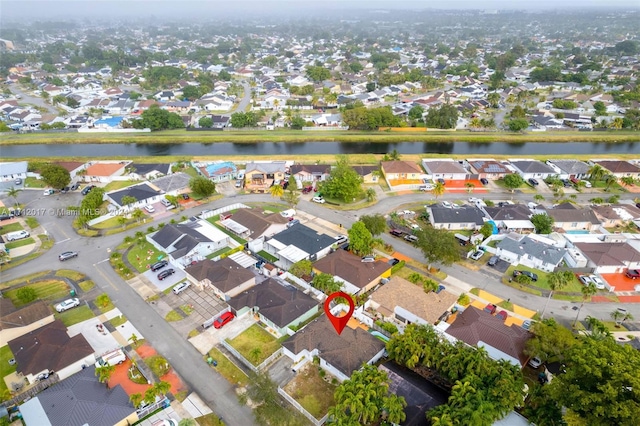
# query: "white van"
[[18, 235], [167, 204], [111, 358]]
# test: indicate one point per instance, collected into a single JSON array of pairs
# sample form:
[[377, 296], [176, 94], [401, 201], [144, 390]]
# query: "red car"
[[224, 318], [490, 308], [633, 273], [307, 189], [503, 315]]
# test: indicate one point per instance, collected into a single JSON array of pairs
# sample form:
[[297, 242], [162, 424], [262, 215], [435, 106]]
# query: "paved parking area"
[[501, 266], [99, 342], [168, 282], [211, 337], [204, 304]]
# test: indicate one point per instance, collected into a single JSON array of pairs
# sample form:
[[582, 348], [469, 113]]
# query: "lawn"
[[72, 275], [271, 258], [255, 344], [24, 278], [87, 285], [20, 243], [46, 289], [113, 223], [142, 255], [5, 368], [219, 252], [119, 184], [12, 227], [229, 233], [312, 391], [228, 369], [573, 287], [75, 315], [190, 171], [172, 316], [116, 321], [32, 222], [209, 420], [31, 182]]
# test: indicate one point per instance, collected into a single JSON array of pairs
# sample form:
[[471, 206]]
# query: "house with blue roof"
[[217, 171]]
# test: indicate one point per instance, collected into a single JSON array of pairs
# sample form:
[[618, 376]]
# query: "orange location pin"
[[339, 323]]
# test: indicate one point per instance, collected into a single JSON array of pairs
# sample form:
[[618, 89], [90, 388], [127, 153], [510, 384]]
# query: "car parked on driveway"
[[159, 265], [529, 274], [493, 261], [87, 189], [18, 181], [411, 238], [319, 200], [477, 255], [597, 281], [166, 273], [447, 204], [67, 304], [396, 233], [535, 362], [223, 319], [502, 315], [585, 279], [181, 287], [149, 208], [67, 255], [533, 182], [632, 273], [17, 235], [368, 259], [490, 308], [484, 181]]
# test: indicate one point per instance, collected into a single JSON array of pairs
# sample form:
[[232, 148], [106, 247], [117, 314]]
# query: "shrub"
[[395, 268], [26, 295], [103, 300], [464, 299], [387, 326]]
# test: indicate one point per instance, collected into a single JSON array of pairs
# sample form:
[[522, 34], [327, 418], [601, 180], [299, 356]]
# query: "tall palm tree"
[[136, 399], [150, 395], [104, 373], [438, 189], [395, 409], [596, 172], [628, 181], [587, 291], [609, 180], [137, 214], [161, 388], [470, 187], [276, 190], [13, 193], [538, 198]]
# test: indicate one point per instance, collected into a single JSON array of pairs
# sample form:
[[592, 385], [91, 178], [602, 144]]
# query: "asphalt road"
[[28, 98], [213, 388], [244, 102]]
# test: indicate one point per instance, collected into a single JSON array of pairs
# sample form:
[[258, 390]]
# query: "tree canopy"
[[202, 186], [244, 119], [318, 74], [543, 223], [343, 183], [360, 239], [445, 117], [376, 224], [156, 118], [362, 118], [438, 245], [55, 176]]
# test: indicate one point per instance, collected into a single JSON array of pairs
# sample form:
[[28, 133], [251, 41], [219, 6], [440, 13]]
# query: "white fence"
[[211, 213], [302, 283], [246, 362], [300, 408]]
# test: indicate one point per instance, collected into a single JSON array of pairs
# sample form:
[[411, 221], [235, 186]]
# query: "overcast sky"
[[57, 9]]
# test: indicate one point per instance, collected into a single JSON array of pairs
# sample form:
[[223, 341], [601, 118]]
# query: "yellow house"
[[260, 176], [401, 172]]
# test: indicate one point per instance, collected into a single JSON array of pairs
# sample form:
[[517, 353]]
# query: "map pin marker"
[[339, 322]]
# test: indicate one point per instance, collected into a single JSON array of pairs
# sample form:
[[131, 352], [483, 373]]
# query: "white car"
[[181, 287], [586, 280], [149, 208], [474, 200], [447, 204], [49, 192], [427, 187], [477, 255], [535, 362], [597, 281], [318, 200], [67, 304]]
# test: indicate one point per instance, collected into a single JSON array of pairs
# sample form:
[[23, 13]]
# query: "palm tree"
[[104, 373], [494, 99], [438, 189], [587, 292], [557, 281], [616, 123], [13, 193], [150, 395], [276, 190], [137, 214], [370, 193], [443, 420], [395, 409], [628, 181], [470, 187], [538, 198], [161, 388], [255, 354], [136, 399], [609, 180], [122, 221], [596, 172]]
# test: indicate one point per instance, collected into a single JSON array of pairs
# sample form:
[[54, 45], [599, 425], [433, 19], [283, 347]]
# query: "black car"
[[394, 261], [166, 273], [396, 232], [65, 190], [185, 196], [75, 186], [484, 181], [531, 275], [87, 189], [493, 261], [440, 180], [533, 182], [159, 265]]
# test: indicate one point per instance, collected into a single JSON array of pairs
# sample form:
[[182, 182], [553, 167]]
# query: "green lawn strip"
[[20, 243], [228, 369], [75, 315], [611, 326], [119, 184], [128, 226], [566, 297], [219, 252], [32, 222], [12, 227], [229, 233], [141, 255], [521, 287], [24, 279], [209, 420], [5, 367], [113, 223], [67, 273], [31, 182], [46, 289], [119, 320], [173, 316], [190, 171], [268, 256], [86, 285], [255, 337], [574, 285], [312, 391]]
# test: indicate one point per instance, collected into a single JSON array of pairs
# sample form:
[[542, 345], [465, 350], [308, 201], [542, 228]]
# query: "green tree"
[[494, 99], [543, 223], [276, 190], [600, 107], [609, 180], [438, 189], [173, 200], [26, 294], [376, 224], [156, 118], [150, 396], [360, 239], [444, 117], [437, 245], [486, 230], [205, 122], [127, 200], [518, 112], [318, 74], [104, 373], [370, 194], [4, 128], [136, 399], [55, 176], [103, 300], [513, 181], [202, 186], [326, 283], [90, 205], [191, 92], [291, 197], [550, 340], [596, 172], [587, 291], [301, 268], [297, 122], [161, 388], [343, 183], [416, 112], [517, 124], [13, 193], [557, 280]]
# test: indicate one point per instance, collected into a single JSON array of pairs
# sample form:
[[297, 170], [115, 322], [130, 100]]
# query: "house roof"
[[310, 169], [364, 170], [269, 168], [571, 215], [144, 168], [536, 249], [103, 169], [140, 192], [12, 317], [172, 182], [399, 292], [400, 167], [181, 236], [617, 211], [225, 274], [304, 238], [532, 166], [257, 222], [572, 167], [15, 168], [509, 212], [79, 400], [69, 165], [350, 268], [609, 254], [462, 214], [277, 301], [489, 167], [615, 166], [474, 325], [346, 351], [48, 347], [438, 167]]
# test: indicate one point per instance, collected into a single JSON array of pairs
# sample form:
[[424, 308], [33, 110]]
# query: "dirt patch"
[[145, 351], [177, 385], [629, 299], [120, 377], [312, 391]]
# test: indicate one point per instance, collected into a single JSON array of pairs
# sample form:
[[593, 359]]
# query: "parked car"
[[75, 186], [49, 192], [67, 255], [503, 315], [529, 274], [65, 190], [493, 261], [633, 273], [535, 362], [585, 279], [490, 308], [396, 232], [484, 181], [597, 281], [185, 196], [149, 208], [427, 187], [181, 287], [239, 183], [18, 181], [17, 235], [447, 204], [411, 238], [318, 199], [67, 304], [159, 265], [166, 273], [292, 222], [87, 189], [223, 319], [526, 324], [341, 239], [474, 200], [533, 182], [368, 259], [440, 288], [477, 255], [440, 180], [393, 261], [307, 189]]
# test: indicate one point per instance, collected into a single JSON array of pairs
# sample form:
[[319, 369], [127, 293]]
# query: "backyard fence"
[[303, 284], [248, 363], [300, 408], [211, 213]]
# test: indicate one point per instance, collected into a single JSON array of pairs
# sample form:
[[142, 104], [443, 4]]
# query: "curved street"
[[188, 363]]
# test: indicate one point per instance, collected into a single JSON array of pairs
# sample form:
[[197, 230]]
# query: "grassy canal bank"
[[285, 135]]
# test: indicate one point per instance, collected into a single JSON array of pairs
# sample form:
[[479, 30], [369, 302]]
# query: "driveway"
[[99, 341], [168, 282], [211, 337]]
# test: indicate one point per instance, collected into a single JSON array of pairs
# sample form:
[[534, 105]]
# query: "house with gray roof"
[[13, 171], [80, 400], [225, 278], [530, 250], [570, 218], [297, 243], [188, 242], [144, 193], [567, 169], [511, 217], [279, 305], [148, 170], [532, 169], [173, 184], [461, 217], [444, 169], [310, 173]]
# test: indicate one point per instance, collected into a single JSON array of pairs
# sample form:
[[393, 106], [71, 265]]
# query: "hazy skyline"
[[11, 10]]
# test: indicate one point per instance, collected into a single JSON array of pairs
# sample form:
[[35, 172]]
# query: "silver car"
[[67, 304], [181, 287]]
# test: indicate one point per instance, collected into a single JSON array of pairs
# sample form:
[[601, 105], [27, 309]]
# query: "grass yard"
[[104, 303], [119, 184], [25, 278], [20, 243], [75, 315], [228, 369], [31, 182], [12, 227], [46, 289], [87, 285], [116, 321], [72, 275], [113, 223], [271, 258], [229, 233], [141, 255], [32, 222], [312, 391], [268, 207], [574, 285], [219, 252], [172, 316], [190, 171], [209, 420], [5, 368], [255, 344]]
